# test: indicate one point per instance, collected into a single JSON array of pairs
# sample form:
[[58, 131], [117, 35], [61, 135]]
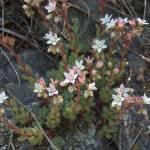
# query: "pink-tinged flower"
[[52, 90], [123, 20], [120, 23], [92, 87], [70, 77], [120, 96], [41, 81], [99, 64], [122, 91], [133, 22], [3, 97], [116, 70], [51, 6], [39, 87], [89, 60], [81, 78]]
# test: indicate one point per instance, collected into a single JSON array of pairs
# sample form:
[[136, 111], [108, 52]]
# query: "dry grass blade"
[[12, 66], [145, 9], [136, 138]]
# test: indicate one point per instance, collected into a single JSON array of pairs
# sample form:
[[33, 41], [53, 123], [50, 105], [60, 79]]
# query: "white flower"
[[106, 19], [3, 97], [141, 21], [121, 95], [111, 24], [51, 6], [99, 45], [122, 91], [146, 99], [79, 64], [117, 101], [70, 77], [52, 90], [92, 87], [39, 87], [52, 38]]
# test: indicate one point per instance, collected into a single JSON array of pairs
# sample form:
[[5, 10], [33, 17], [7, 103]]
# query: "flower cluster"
[[122, 94], [43, 91], [75, 77], [110, 23]]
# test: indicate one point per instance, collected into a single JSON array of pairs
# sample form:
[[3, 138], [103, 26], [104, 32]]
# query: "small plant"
[[82, 86]]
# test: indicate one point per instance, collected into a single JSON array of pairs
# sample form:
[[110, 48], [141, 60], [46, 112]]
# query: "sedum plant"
[[82, 86]]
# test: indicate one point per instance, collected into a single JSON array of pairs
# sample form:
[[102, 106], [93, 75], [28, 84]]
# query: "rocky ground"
[[29, 44]]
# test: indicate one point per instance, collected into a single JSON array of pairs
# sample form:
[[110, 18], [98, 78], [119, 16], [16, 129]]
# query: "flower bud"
[[116, 70], [110, 65], [49, 16], [27, 1], [94, 72], [60, 99], [25, 7], [99, 64]]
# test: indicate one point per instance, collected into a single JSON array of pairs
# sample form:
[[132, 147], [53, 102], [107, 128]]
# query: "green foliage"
[[32, 134], [105, 94], [20, 114], [110, 127], [71, 58], [53, 118], [75, 94], [71, 110], [56, 74], [43, 113], [58, 142]]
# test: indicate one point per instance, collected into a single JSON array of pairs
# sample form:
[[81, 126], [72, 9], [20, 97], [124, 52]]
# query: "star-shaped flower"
[[120, 96], [117, 101], [79, 64], [122, 91], [92, 87], [70, 77], [106, 19], [99, 45], [52, 38], [52, 90], [3, 97], [51, 6], [111, 24], [146, 99], [141, 21]]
